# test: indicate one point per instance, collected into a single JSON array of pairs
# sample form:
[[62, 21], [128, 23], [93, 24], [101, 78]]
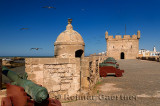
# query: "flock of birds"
[[49, 6]]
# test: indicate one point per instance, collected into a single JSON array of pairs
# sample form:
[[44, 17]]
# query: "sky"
[[91, 18]]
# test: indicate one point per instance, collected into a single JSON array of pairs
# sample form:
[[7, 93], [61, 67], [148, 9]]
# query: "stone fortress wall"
[[58, 75], [65, 76], [125, 47]]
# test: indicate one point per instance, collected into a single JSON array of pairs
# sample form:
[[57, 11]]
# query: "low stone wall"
[[65, 76], [150, 58], [90, 71], [61, 76]]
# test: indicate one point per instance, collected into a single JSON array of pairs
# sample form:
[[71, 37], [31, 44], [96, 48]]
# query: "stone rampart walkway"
[[140, 86]]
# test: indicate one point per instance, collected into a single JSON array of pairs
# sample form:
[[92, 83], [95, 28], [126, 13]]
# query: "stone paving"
[[139, 86]]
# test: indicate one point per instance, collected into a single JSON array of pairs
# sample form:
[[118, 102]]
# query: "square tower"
[[125, 47]]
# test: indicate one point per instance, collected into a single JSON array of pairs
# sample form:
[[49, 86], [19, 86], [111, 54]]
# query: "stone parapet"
[[90, 71], [65, 76], [125, 37], [59, 75]]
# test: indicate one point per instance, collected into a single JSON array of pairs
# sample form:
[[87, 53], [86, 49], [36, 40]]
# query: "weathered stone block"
[[68, 74], [47, 61], [66, 81], [67, 78], [85, 82], [65, 86], [31, 76], [49, 84], [85, 71], [28, 68], [62, 60], [75, 86], [76, 80], [27, 61], [74, 60], [51, 72], [56, 87], [37, 68], [34, 61], [38, 77]]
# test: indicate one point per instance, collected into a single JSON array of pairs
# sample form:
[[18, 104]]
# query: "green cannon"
[[110, 66], [110, 61], [38, 93]]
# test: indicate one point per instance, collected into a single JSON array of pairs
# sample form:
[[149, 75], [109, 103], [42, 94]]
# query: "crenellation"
[[138, 34], [126, 37], [134, 36], [110, 37], [118, 37], [106, 35]]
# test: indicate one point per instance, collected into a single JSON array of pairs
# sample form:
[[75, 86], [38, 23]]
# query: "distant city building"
[[154, 49], [102, 53], [145, 53]]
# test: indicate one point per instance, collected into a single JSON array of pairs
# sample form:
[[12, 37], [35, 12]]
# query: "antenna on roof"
[[125, 29]]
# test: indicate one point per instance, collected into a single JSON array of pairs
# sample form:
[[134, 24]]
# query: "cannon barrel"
[[110, 61], [38, 93], [109, 64]]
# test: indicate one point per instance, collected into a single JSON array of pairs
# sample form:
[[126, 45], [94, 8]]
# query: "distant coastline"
[[27, 56]]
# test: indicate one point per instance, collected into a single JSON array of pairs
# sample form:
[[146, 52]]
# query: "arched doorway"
[[78, 53], [122, 55]]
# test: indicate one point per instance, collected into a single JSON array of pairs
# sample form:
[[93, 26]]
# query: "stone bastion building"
[[68, 72], [123, 48], [69, 44]]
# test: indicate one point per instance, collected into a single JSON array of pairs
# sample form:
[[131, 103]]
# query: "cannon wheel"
[[54, 102], [17, 94], [103, 74], [6, 101], [118, 74]]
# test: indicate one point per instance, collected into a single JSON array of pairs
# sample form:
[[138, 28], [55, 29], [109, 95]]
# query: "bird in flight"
[[24, 28], [49, 4], [35, 48], [49, 7]]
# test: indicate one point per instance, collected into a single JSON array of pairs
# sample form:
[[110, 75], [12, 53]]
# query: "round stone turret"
[[106, 35], [138, 34], [69, 44]]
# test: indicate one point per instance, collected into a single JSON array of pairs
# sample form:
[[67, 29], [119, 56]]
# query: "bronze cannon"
[[38, 93]]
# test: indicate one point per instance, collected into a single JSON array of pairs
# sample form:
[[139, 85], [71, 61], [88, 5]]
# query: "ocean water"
[[1, 57]]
